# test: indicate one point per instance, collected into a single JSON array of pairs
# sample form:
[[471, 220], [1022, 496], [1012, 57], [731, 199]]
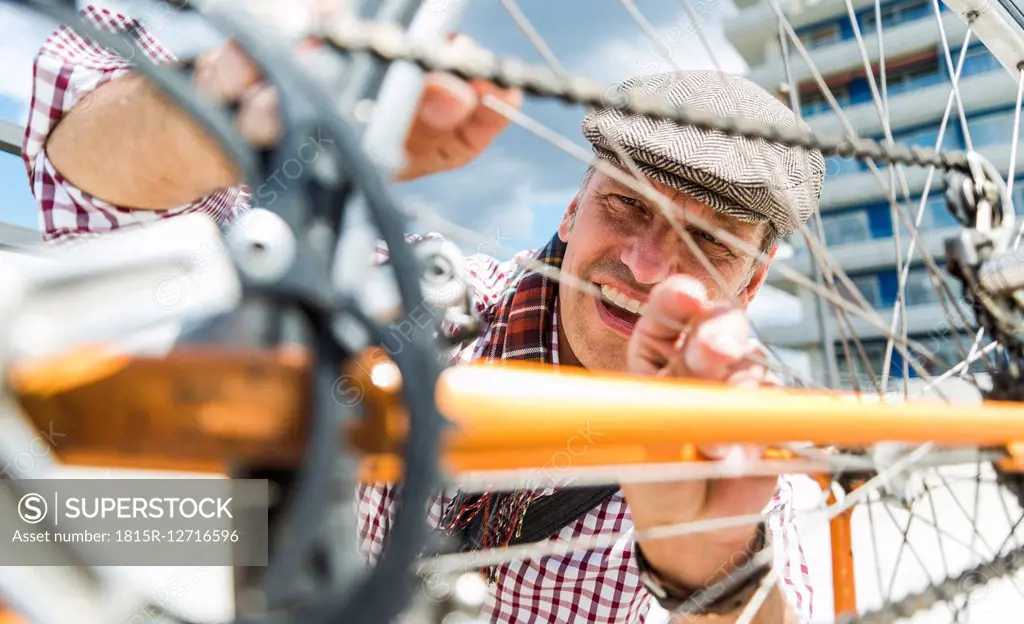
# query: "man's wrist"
[[702, 559], [727, 587]]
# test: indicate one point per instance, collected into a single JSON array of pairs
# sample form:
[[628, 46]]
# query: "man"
[[104, 152]]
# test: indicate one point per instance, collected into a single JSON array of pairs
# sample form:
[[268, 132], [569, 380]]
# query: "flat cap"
[[754, 180]]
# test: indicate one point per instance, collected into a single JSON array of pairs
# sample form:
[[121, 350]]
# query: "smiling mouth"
[[622, 307]]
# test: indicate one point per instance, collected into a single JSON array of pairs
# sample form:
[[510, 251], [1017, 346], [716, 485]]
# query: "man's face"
[[621, 241]]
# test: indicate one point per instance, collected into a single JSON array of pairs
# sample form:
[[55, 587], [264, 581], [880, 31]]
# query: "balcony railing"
[[15, 238], [10, 137], [840, 29], [857, 91]]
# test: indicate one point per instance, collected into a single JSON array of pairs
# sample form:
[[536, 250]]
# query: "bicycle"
[[849, 453]]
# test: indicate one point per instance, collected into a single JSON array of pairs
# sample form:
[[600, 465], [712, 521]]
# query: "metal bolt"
[[263, 245], [441, 269], [363, 111]]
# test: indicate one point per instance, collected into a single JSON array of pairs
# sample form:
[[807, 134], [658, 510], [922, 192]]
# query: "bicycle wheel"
[[290, 297], [884, 311]]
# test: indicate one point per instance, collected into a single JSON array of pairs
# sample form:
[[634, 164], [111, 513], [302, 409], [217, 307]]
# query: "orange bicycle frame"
[[200, 410]]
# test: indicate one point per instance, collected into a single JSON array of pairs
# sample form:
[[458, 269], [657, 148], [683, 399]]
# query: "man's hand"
[[127, 144], [714, 347], [451, 127]]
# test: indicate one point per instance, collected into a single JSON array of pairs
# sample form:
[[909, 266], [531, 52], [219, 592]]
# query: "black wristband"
[[721, 598]]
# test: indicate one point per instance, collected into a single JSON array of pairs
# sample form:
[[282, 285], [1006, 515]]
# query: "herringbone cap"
[[752, 179]]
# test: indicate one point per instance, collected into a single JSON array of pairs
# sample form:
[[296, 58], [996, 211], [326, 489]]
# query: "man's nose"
[[653, 258]]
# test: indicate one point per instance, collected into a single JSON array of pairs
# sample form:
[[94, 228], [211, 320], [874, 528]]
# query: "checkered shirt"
[[601, 585], [67, 68]]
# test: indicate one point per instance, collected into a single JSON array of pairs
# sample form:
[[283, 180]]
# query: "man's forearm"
[[126, 144]]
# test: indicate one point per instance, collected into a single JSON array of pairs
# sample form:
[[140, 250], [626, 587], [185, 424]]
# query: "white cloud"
[[678, 46], [500, 200], [23, 34]]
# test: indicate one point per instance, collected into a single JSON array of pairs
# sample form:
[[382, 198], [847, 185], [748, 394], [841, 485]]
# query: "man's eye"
[[709, 237], [629, 201]]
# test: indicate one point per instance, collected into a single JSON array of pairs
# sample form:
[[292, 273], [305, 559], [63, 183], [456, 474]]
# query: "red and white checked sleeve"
[[68, 68], [784, 534], [486, 279], [375, 511]]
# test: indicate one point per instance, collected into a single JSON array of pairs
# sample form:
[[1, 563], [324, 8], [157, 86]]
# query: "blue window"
[[979, 60], [921, 288], [936, 215], [850, 226], [992, 128], [820, 35], [875, 221], [928, 136], [840, 29], [856, 225], [814, 102], [938, 212], [868, 286], [893, 14], [945, 351], [879, 215], [925, 136], [855, 372], [836, 165], [883, 286], [918, 75]]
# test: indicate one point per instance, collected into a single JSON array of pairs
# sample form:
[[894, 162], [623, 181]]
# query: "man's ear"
[[746, 295], [568, 218]]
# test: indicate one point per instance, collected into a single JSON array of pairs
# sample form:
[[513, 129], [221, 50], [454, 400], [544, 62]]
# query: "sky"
[[542, 179], [514, 194], [16, 203]]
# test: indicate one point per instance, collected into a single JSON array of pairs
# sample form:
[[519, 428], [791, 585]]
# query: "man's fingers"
[[674, 303], [487, 123], [447, 101], [715, 347], [258, 120], [751, 375], [228, 74], [732, 453], [225, 73]]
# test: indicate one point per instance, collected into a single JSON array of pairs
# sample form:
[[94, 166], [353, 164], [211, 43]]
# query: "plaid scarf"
[[519, 330]]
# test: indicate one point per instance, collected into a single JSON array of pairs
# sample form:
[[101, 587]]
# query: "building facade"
[[856, 216]]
